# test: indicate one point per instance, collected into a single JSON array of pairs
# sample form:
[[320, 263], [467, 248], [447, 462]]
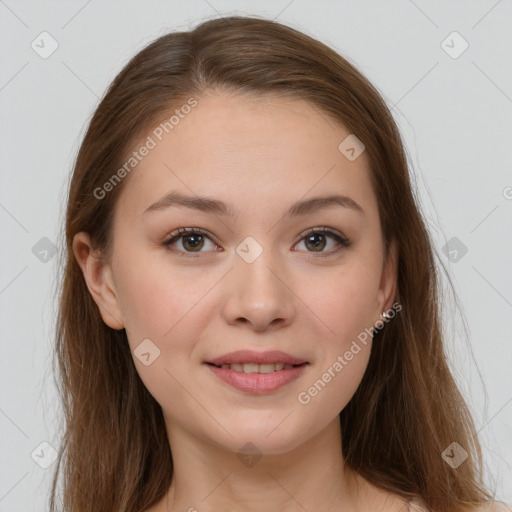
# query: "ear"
[[98, 276], [389, 276]]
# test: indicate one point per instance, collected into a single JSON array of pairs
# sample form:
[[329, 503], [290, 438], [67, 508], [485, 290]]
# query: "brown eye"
[[192, 240], [316, 241]]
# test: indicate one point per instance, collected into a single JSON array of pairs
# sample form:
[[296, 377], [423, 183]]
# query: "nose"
[[258, 294]]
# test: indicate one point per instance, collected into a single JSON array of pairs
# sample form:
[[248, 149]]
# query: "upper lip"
[[250, 356]]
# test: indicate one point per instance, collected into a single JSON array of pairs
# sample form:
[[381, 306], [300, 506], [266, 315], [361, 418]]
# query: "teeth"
[[257, 368], [250, 368], [266, 368]]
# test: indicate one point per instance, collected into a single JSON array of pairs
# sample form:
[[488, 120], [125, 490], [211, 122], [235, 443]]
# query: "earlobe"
[[98, 277]]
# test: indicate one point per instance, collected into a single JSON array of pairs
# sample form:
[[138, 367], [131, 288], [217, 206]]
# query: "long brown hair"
[[407, 410]]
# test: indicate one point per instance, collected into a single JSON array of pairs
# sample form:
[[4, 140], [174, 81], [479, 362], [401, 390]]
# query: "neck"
[[312, 476]]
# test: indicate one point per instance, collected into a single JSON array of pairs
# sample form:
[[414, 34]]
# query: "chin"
[[266, 437]]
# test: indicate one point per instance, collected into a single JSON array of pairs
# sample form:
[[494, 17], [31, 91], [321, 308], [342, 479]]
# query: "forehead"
[[246, 150]]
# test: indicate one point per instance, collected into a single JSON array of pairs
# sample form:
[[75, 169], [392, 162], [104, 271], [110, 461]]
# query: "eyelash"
[[343, 242]]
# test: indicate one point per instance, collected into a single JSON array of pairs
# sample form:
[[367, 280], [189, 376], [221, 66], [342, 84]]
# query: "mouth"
[[258, 368], [257, 372]]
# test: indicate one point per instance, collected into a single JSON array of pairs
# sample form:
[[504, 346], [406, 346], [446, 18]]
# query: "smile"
[[257, 368], [257, 379]]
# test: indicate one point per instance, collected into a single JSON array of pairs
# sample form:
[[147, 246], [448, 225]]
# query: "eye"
[[192, 240], [316, 239]]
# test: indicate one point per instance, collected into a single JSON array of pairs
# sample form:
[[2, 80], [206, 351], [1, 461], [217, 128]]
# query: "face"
[[269, 271]]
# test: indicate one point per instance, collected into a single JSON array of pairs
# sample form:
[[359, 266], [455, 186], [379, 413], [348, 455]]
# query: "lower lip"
[[258, 383]]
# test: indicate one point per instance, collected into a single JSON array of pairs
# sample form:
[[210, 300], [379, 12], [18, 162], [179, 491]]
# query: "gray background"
[[455, 115]]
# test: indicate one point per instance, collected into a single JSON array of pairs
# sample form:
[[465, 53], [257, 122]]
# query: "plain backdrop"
[[451, 95]]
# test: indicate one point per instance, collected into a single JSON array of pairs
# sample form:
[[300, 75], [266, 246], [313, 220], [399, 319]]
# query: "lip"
[[257, 383], [251, 356]]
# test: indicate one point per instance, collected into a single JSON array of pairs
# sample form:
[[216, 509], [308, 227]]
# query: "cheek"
[[329, 394], [343, 301], [169, 310], [149, 308], [345, 304], [156, 299]]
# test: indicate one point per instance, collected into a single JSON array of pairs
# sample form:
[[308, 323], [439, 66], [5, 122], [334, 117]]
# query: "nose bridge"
[[259, 275], [258, 292], [256, 267]]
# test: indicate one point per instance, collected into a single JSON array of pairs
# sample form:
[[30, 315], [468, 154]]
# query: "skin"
[[260, 155]]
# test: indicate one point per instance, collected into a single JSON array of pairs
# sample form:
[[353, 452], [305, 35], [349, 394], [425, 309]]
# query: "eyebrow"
[[210, 205]]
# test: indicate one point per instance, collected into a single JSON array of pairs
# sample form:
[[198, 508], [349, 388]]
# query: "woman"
[[249, 313]]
